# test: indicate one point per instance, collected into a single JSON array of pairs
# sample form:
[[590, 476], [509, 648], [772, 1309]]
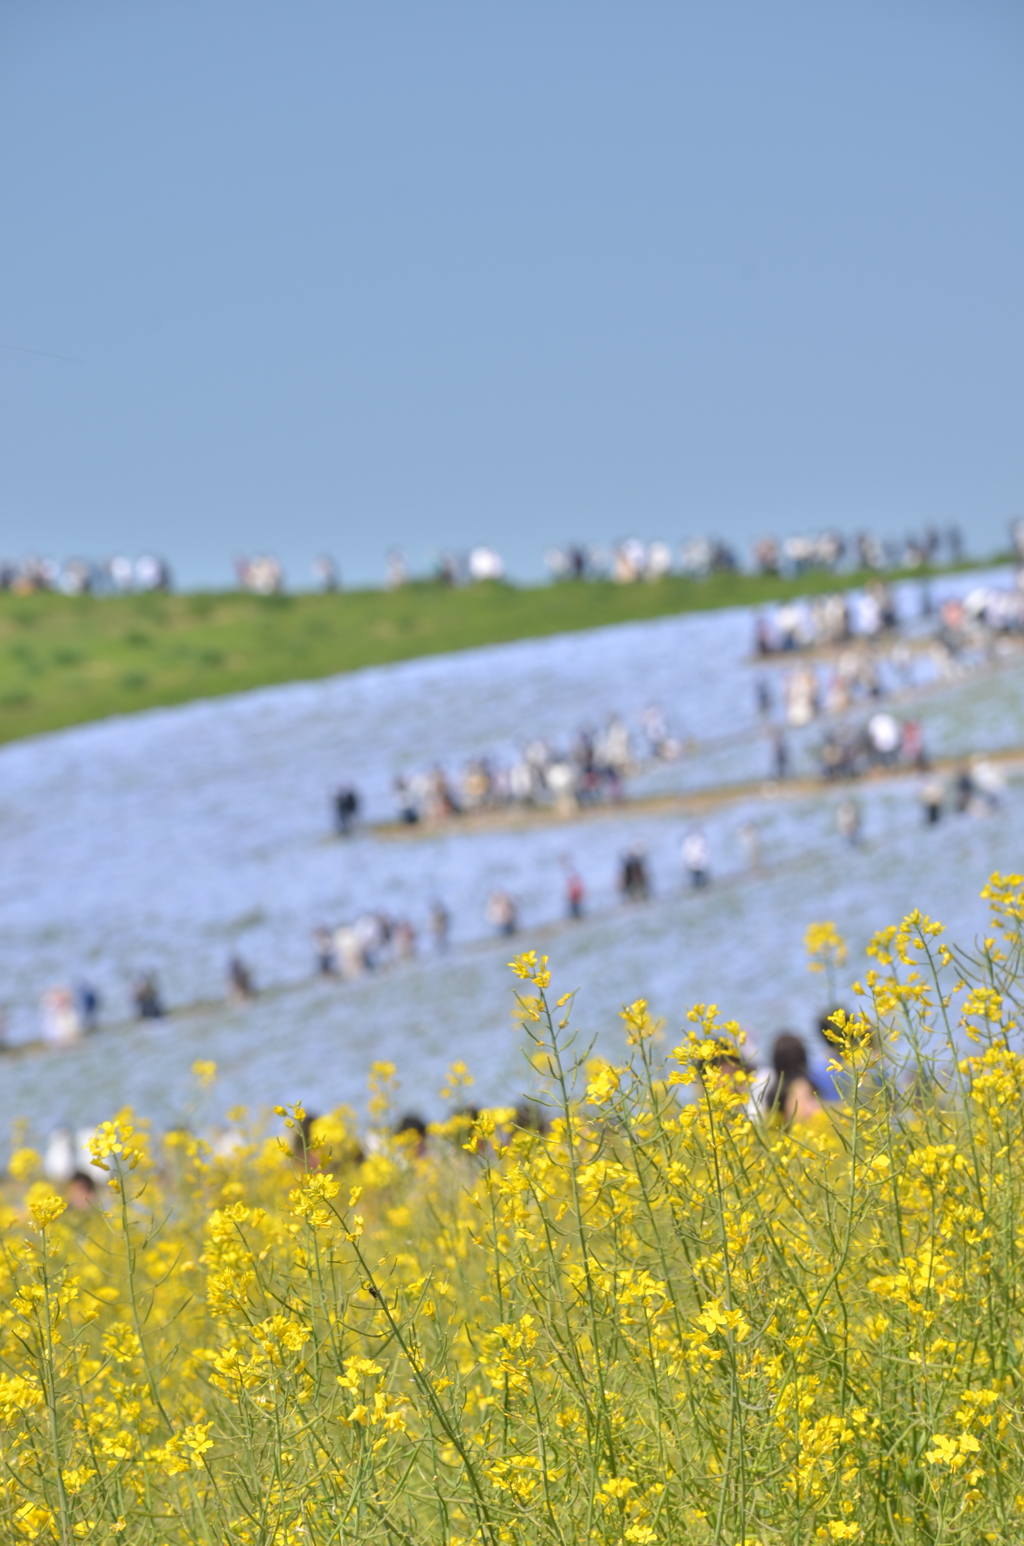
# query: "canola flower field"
[[644, 1316]]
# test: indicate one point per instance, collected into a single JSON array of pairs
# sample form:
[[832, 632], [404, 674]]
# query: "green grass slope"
[[66, 660]]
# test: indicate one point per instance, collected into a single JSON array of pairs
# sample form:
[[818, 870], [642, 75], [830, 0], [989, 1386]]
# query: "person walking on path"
[[696, 858], [501, 913], [440, 925]]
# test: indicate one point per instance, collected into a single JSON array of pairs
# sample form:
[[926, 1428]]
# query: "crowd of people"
[[849, 750], [871, 615], [794, 1085], [627, 561], [828, 552], [808, 692], [593, 767], [860, 676], [372, 941], [117, 576], [633, 559], [375, 940], [985, 613], [790, 1084], [976, 789], [798, 1078], [590, 771], [808, 622], [67, 1013], [263, 574]]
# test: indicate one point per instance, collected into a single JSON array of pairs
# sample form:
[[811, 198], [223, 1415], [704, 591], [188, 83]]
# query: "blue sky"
[[341, 277]]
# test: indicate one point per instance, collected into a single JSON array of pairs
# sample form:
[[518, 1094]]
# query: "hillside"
[[66, 660]]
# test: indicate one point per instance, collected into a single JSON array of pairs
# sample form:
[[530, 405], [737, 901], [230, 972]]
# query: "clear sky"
[[338, 276]]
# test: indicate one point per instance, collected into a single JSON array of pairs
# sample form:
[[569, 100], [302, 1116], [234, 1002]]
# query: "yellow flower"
[[630, 1268], [457, 1078], [714, 1317], [603, 1083], [310, 1198], [952, 1452], [33, 1521], [824, 944], [383, 1083], [1006, 895], [639, 1025], [76, 1477], [18, 1394], [196, 1438], [23, 1164], [112, 1140], [46, 1209], [121, 1343], [530, 969], [356, 1370]]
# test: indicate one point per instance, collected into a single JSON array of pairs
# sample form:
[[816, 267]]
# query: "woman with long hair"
[[790, 1093]]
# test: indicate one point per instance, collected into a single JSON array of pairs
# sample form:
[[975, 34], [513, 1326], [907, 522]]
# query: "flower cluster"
[[643, 1317]]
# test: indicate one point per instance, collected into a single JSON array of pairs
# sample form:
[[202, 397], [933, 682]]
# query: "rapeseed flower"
[[648, 1317]]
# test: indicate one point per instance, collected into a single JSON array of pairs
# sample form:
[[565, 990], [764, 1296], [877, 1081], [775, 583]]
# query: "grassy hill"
[[65, 660]]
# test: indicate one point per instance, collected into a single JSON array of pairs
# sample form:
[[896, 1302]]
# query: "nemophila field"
[[170, 839]]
